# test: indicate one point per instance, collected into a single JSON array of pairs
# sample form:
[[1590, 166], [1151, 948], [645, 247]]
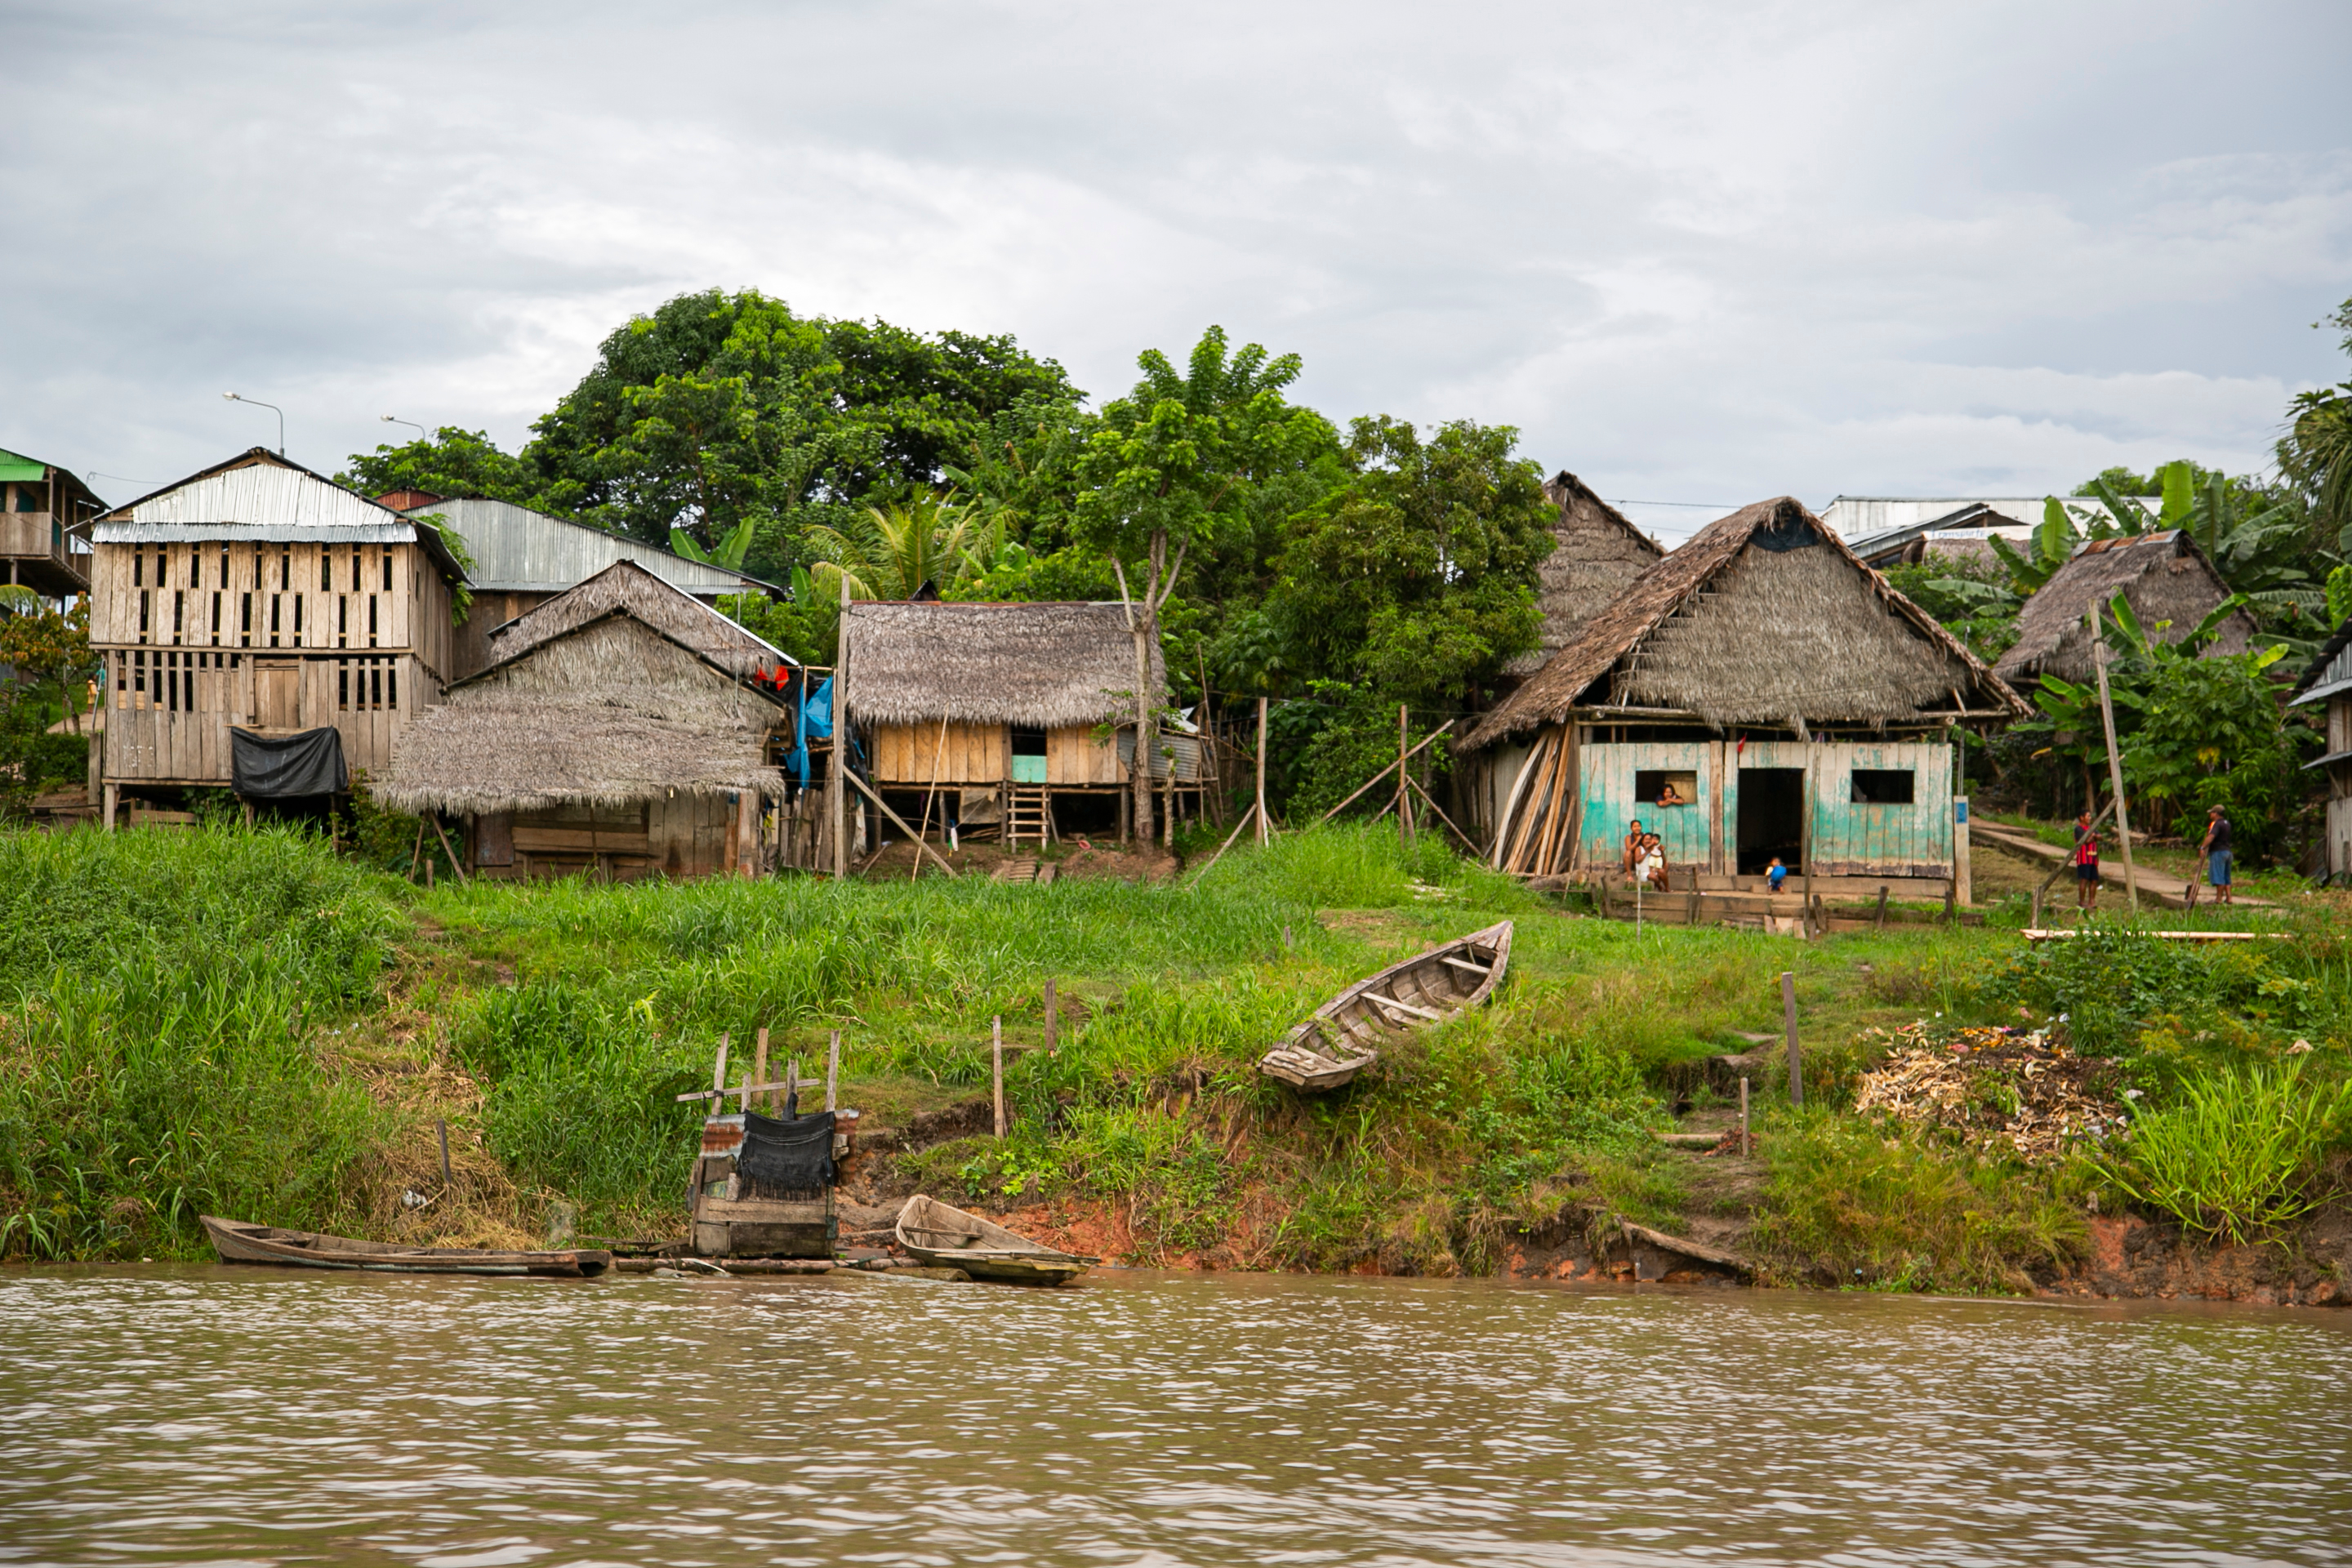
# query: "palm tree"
[[896, 549]]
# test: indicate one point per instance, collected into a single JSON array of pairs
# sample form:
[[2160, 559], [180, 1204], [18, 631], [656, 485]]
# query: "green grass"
[[226, 1021], [2237, 1153]]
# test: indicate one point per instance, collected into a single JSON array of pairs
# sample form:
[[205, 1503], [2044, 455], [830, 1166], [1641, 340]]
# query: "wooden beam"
[[868, 790]]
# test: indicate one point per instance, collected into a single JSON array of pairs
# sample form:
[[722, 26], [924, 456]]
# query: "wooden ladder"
[[1030, 815]]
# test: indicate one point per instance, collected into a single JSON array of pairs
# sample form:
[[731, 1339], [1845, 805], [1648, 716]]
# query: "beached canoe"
[[1344, 1036], [237, 1242], [945, 1237]]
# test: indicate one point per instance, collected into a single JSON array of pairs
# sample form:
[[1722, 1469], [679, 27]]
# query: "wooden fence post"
[[1053, 1021], [1262, 834], [996, 1071], [833, 1071], [1788, 1018]]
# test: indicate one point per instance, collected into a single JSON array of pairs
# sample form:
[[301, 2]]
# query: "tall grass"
[[158, 992], [2236, 1154]]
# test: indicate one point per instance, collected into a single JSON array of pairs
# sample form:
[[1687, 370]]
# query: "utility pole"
[[2115, 760]]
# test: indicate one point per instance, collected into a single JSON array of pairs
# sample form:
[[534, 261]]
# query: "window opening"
[[1653, 786], [1883, 787]]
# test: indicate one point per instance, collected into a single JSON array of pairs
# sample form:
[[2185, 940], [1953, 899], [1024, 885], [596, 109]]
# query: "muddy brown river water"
[[187, 1415]]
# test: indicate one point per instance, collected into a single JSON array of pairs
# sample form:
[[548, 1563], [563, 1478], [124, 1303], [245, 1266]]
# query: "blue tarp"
[[816, 720]]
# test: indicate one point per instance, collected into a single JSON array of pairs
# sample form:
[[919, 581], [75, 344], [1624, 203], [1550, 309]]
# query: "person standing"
[[2086, 864], [2218, 857]]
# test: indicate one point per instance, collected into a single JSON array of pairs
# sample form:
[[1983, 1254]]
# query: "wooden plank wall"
[[170, 710], [967, 753], [1075, 757], [1847, 838], [270, 596]]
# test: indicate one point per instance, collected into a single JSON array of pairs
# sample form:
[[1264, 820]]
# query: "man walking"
[[2216, 849]]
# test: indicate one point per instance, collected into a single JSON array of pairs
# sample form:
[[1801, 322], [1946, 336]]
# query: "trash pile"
[[2001, 1088]]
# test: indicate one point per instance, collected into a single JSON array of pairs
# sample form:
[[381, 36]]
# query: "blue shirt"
[[1779, 874]]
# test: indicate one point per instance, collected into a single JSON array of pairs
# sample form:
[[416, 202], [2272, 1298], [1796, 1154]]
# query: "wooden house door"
[[277, 694]]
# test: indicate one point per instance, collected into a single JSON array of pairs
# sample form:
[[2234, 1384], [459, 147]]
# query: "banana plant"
[[2052, 545], [729, 552]]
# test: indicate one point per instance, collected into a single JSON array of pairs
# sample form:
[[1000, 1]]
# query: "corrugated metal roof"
[[391, 531], [518, 551], [16, 467], [265, 497]]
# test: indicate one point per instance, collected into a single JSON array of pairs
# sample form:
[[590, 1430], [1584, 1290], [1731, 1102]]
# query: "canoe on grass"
[[1344, 1036], [237, 1242], [945, 1237]]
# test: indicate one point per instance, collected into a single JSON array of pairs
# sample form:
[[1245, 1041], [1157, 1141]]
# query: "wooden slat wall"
[[1856, 840], [1606, 783], [1074, 757], [967, 753]]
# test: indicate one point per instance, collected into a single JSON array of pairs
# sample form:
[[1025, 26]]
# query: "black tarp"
[[273, 767], [786, 1159]]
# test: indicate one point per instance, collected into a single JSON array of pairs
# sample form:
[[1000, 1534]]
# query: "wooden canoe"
[[946, 1238], [1344, 1037], [237, 1242]]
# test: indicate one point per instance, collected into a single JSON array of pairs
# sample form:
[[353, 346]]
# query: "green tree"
[[451, 462], [720, 409], [890, 552], [1417, 577], [2315, 455], [1178, 462]]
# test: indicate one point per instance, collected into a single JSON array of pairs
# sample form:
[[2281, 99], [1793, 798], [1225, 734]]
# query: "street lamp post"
[[240, 397], [422, 433]]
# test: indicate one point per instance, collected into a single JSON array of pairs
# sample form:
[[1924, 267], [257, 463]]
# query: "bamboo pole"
[[938, 752], [868, 791], [1376, 777], [760, 1067], [1053, 1021], [1403, 801], [1260, 807], [443, 836], [835, 789], [1509, 818], [1440, 814], [2115, 769], [833, 1070], [1541, 762]]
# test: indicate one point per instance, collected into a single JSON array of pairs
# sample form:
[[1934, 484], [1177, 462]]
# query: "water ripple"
[[230, 1416]]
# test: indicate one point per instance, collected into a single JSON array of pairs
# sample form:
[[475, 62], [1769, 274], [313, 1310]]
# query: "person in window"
[[1632, 850], [2216, 849], [2086, 864], [1669, 796]]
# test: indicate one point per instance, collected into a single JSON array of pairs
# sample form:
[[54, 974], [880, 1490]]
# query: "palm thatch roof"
[[1046, 666], [1764, 618], [2163, 577], [626, 587], [613, 711], [1597, 552]]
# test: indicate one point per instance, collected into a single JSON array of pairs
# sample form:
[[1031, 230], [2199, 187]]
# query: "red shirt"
[[2086, 848]]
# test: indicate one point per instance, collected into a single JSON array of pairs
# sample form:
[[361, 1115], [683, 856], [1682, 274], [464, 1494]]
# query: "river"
[[206, 1415]]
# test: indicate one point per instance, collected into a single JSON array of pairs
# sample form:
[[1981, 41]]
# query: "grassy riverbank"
[[236, 1021]]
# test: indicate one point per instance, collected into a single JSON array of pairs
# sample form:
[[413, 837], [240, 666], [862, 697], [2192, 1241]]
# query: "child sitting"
[[1776, 873]]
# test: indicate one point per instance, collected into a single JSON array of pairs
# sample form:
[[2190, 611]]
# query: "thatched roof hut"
[[622, 691], [627, 587], [1038, 666], [2163, 577], [1597, 554], [1764, 618]]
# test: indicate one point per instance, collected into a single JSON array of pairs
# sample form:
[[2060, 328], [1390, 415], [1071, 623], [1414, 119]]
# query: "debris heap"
[[2003, 1089]]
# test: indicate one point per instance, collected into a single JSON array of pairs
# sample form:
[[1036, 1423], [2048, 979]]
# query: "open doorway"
[[1771, 818]]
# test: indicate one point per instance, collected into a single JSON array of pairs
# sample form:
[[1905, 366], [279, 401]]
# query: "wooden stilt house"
[[1009, 708], [1758, 692], [42, 509], [622, 729], [2328, 679], [260, 596]]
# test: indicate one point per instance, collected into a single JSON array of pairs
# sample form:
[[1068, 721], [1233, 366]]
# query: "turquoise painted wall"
[[1849, 839]]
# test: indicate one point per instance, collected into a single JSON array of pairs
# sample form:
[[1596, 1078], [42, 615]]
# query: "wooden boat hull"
[[1343, 1037], [237, 1242], [943, 1236]]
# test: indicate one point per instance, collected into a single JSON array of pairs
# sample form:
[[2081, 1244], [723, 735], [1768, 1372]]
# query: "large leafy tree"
[[449, 462], [1417, 576], [1186, 460], [721, 409]]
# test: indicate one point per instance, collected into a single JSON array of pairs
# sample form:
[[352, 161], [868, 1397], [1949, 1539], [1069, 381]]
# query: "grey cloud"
[[1694, 252]]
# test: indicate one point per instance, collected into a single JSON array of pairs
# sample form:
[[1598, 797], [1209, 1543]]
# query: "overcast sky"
[[1695, 253]]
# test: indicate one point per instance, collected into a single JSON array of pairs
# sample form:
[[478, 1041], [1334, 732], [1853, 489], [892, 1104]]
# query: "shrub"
[[2237, 1153]]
